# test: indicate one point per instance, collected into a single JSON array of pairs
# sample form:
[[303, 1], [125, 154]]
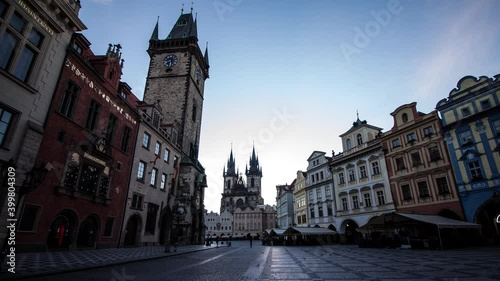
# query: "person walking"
[[217, 241], [250, 241]]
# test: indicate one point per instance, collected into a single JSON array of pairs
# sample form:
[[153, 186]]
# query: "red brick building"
[[88, 147]]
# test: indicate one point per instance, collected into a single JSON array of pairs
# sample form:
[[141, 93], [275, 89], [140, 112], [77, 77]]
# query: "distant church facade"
[[240, 193]]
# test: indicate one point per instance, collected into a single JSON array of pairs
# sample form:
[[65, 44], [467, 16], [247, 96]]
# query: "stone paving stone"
[[443, 273], [284, 270], [328, 269], [283, 265], [362, 268], [288, 276], [339, 276]]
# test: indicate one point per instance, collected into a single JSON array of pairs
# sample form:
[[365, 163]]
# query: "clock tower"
[[176, 81]]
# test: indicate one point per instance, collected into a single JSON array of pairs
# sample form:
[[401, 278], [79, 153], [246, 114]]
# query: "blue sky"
[[290, 75]]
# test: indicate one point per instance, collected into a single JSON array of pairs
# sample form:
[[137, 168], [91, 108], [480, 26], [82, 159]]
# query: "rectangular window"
[[93, 115], [318, 194], [311, 195], [22, 36], [396, 143], [312, 177], [411, 137], [88, 179], [328, 192], [108, 227], [157, 148], [442, 185], [317, 177], [355, 202], [375, 168], [163, 183], [434, 153], [475, 170], [496, 127], [465, 138], [304, 220], [466, 111], [330, 210], [140, 171], [6, 118], [166, 155], [400, 164], [405, 189], [137, 201], [423, 190], [415, 159], [312, 212], [299, 220], [154, 172], [380, 197], [344, 204], [145, 140], [321, 175], [151, 219], [127, 133], [29, 218], [428, 131], [362, 171], [351, 175], [69, 101], [485, 104], [368, 200], [111, 128], [341, 178]]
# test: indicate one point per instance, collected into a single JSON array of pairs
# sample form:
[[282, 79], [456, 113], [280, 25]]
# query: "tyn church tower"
[[238, 193], [176, 81]]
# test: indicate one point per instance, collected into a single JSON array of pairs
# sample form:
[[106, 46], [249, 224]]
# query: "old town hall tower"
[[175, 82]]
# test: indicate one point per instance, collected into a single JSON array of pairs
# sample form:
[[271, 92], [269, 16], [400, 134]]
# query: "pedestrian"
[[217, 241], [250, 241]]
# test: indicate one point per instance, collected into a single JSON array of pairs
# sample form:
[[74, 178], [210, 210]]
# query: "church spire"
[[206, 55], [184, 28], [231, 165], [154, 36], [254, 164]]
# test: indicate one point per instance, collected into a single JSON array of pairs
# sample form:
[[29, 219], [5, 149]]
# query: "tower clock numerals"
[[170, 61]]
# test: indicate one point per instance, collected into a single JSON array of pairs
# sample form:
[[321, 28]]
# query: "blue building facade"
[[471, 125]]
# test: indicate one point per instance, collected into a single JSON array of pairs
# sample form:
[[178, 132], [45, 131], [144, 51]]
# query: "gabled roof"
[[315, 154], [184, 27]]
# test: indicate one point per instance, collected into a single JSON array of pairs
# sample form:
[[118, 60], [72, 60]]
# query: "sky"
[[289, 76]]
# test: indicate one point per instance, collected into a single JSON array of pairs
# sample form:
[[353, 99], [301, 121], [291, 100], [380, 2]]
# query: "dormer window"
[[359, 139], [77, 48], [348, 143], [181, 22], [404, 117], [123, 95]]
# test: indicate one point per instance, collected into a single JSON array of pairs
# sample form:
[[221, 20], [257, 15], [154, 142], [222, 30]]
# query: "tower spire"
[[154, 36]]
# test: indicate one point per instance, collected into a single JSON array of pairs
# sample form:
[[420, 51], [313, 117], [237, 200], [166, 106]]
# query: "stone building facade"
[[299, 197], [219, 225], [148, 218], [418, 165], [253, 222], [34, 36], [176, 81], [471, 124], [361, 182], [284, 205], [320, 198]]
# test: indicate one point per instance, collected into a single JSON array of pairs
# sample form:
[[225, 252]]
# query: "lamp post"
[[32, 180]]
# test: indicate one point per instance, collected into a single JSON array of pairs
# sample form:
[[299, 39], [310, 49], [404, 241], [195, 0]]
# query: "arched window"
[[359, 138], [404, 117], [252, 182], [228, 184], [348, 143]]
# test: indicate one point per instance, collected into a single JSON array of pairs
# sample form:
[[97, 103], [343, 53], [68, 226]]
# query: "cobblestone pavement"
[[334, 262], [36, 264], [352, 263]]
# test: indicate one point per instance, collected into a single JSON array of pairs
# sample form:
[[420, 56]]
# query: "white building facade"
[[319, 191], [284, 200], [219, 225], [361, 182]]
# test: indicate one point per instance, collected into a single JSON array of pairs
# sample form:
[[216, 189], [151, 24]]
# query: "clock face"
[[170, 61]]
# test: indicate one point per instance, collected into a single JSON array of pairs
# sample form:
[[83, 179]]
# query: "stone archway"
[[87, 233], [62, 231], [488, 216], [132, 231], [350, 232]]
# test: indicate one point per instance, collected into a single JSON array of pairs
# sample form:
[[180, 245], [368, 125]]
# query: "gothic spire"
[[206, 55], [154, 36], [254, 164], [231, 165]]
